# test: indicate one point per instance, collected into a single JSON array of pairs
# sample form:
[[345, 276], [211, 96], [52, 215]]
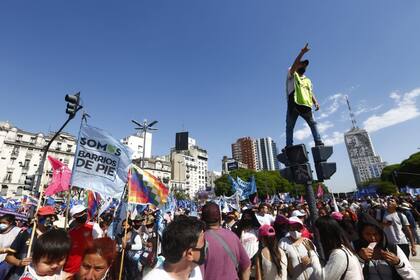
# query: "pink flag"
[[320, 191], [61, 177]]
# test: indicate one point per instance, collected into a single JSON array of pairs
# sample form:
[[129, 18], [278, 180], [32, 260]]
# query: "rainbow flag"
[[145, 188], [93, 200]]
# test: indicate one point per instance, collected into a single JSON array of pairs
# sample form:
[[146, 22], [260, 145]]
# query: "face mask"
[[3, 227], [295, 234], [202, 258], [301, 70], [82, 219]]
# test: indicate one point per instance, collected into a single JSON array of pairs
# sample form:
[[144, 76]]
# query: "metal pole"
[[40, 188], [310, 198], [144, 143]]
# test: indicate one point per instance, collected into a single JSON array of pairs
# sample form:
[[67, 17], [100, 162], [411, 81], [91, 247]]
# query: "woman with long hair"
[[271, 263], [342, 263]]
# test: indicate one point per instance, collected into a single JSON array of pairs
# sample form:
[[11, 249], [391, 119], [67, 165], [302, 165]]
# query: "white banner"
[[101, 162]]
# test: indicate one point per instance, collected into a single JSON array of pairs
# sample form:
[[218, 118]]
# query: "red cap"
[[46, 210], [266, 230]]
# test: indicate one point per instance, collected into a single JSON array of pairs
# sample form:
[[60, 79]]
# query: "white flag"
[[101, 162]]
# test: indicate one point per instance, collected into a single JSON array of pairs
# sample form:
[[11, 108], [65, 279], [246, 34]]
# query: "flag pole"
[[123, 249], [66, 221]]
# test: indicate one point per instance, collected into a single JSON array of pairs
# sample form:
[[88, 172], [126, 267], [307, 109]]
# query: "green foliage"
[[383, 187], [181, 194], [388, 171], [412, 166], [268, 182]]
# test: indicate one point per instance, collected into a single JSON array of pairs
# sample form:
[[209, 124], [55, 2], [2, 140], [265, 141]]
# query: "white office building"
[[189, 168], [136, 143], [21, 153], [266, 154], [365, 163]]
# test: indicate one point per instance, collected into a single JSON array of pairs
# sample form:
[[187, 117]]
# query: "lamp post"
[[144, 127]]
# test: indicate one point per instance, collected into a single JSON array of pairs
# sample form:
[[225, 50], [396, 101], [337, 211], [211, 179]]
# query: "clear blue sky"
[[216, 68]]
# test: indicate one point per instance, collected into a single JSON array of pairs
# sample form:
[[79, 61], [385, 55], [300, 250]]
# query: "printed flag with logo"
[[101, 162]]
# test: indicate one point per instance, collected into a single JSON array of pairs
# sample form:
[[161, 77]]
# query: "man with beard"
[[184, 249], [300, 99]]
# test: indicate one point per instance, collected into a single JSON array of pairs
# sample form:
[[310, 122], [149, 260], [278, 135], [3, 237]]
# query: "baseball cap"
[[266, 230], [210, 213], [337, 216], [295, 220], [281, 219], [77, 209], [46, 210], [298, 213]]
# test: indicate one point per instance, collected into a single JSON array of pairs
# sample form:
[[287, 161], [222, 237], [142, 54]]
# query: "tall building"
[[21, 153], [363, 159], [244, 150], [266, 154], [159, 167], [229, 164], [136, 143], [189, 168]]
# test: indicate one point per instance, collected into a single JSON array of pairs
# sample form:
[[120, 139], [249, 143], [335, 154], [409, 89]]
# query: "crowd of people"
[[370, 238]]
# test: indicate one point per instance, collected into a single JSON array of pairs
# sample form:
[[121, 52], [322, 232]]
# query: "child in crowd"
[[50, 252]]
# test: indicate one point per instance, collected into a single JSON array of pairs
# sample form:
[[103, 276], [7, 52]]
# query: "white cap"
[[76, 209], [295, 220], [298, 213]]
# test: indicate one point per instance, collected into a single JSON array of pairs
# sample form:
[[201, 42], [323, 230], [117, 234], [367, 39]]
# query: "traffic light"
[[72, 104], [324, 169], [297, 169], [29, 183]]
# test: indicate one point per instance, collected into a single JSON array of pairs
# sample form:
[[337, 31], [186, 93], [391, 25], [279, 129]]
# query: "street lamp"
[[144, 127]]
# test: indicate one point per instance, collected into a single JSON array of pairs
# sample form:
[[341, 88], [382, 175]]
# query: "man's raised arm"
[[296, 63]]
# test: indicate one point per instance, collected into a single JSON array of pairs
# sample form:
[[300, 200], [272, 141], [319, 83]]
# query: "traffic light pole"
[[38, 187]]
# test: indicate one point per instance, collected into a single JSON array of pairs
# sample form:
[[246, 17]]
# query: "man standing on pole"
[[300, 99]]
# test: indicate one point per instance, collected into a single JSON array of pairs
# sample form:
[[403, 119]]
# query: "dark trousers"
[[406, 249]]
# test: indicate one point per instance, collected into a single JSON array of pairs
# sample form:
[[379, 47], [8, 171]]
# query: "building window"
[[19, 191], [4, 189], [8, 177], [19, 138], [26, 164]]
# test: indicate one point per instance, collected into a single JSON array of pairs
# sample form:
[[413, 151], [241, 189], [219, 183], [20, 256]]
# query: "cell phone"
[[372, 245]]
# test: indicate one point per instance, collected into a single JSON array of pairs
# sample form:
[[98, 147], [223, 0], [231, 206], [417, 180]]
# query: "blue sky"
[[215, 68]]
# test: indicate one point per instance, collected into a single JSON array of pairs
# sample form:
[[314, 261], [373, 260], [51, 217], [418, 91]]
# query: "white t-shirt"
[[394, 232], [161, 274], [336, 266], [249, 239], [267, 219], [6, 239]]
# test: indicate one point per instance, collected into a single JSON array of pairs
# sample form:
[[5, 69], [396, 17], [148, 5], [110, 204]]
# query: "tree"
[[181, 194], [388, 172], [383, 187], [268, 182], [409, 171]]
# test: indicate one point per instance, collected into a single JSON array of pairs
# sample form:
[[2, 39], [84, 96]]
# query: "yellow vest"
[[303, 91]]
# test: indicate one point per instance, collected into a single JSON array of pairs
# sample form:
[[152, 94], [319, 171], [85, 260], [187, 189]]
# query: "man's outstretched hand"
[[305, 49]]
